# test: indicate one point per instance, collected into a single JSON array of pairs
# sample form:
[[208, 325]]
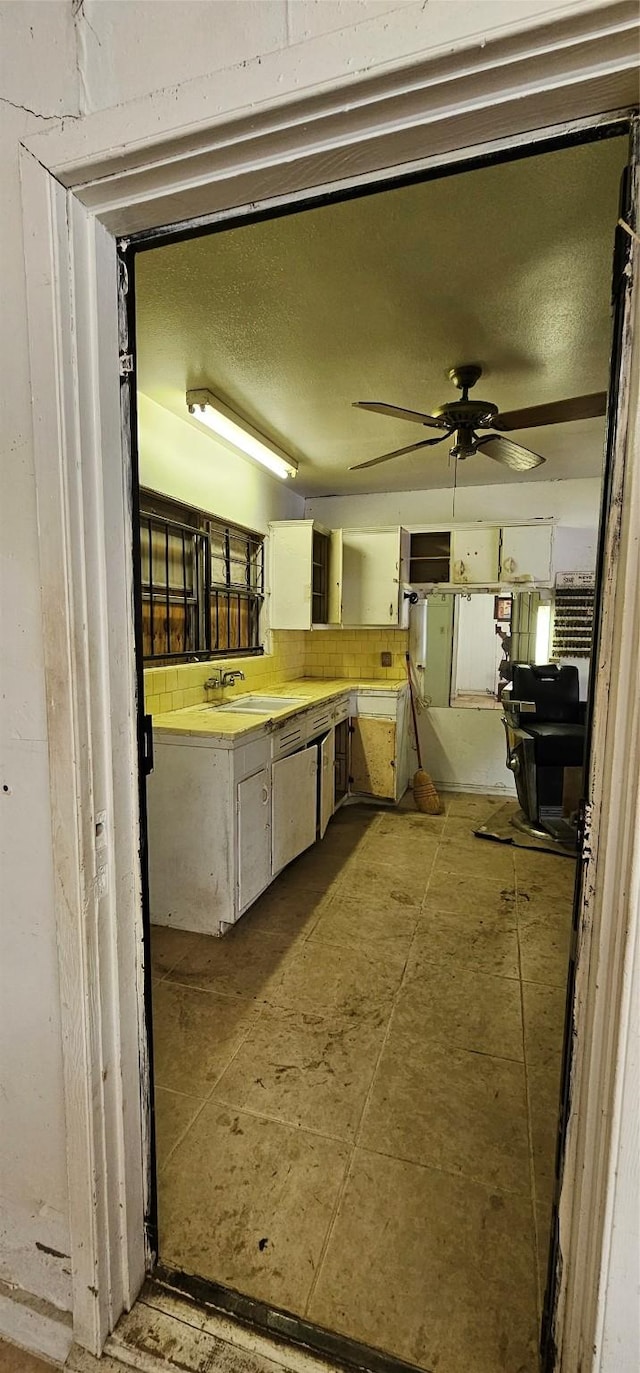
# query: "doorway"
[[327, 893]]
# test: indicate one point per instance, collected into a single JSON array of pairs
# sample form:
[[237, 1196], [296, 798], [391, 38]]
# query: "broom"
[[424, 792]]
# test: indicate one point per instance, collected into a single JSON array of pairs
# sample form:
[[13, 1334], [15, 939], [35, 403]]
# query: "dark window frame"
[[226, 606]]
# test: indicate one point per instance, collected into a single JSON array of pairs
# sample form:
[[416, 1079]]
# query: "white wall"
[[192, 466], [125, 51], [464, 749], [575, 503]]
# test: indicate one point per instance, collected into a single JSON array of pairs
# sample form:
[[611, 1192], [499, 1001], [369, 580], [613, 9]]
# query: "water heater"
[[418, 642]]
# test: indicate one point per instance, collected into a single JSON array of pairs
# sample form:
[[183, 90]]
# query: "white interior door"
[[370, 576], [254, 837], [526, 553], [327, 781], [474, 556], [293, 805]]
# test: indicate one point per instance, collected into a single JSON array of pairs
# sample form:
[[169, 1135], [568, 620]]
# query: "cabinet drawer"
[[341, 711], [380, 707], [319, 720], [250, 758], [288, 737]]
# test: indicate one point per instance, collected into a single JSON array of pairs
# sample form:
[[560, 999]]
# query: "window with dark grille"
[[202, 583], [573, 621]]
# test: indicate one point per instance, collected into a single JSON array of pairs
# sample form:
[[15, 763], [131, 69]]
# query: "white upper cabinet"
[[374, 566], [475, 556], [526, 553], [305, 574]]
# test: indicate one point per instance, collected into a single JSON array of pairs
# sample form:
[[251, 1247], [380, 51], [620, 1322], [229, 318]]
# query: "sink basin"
[[260, 705]]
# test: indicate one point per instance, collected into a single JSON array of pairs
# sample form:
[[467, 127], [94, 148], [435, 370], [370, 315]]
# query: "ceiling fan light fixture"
[[225, 424]]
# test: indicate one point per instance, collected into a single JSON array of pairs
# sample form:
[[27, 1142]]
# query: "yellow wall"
[[322, 653]]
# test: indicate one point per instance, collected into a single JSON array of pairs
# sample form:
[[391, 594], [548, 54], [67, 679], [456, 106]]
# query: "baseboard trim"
[[34, 1324]]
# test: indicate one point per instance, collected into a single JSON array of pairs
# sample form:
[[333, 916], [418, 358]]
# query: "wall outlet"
[[386, 660]]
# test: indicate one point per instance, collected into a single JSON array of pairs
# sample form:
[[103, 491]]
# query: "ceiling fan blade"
[[379, 407], [557, 412], [397, 453], [510, 454]]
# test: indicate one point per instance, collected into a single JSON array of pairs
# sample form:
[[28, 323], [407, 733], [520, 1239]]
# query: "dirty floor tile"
[[291, 914], [487, 942], [397, 882], [337, 979], [349, 1105], [167, 948], [195, 1035], [248, 1202], [306, 1069], [459, 893], [461, 1009], [544, 950], [462, 1112], [16, 1360], [544, 1105], [487, 862], [243, 963], [174, 1112], [423, 1293], [544, 1009], [349, 919]]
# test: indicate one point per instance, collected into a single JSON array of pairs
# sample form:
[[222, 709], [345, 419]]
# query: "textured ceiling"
[[292, 319]]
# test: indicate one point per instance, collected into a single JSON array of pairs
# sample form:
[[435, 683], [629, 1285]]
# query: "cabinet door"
[[373, 757], [291, 573], [526, 553], [254, 837], [370, 576], [335, 577], [327, 781], [293, 805], [474, 556]]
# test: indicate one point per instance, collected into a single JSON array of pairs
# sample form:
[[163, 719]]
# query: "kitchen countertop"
[[229, 726]]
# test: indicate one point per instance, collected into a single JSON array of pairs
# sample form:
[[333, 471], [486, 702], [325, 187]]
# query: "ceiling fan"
[[464, 416]]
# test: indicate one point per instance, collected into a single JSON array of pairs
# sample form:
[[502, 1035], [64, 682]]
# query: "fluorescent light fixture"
[[210, 411]]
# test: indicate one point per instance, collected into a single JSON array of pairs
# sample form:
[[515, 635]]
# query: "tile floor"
[[13, 1359], [357, 1088]]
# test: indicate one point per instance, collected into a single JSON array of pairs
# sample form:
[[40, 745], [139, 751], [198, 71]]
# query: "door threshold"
[[193, 1325]]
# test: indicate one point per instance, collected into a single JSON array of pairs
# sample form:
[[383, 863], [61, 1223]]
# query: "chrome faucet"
[[219, 679]]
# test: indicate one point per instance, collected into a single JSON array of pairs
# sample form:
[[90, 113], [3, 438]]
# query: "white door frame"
[[112, 173]]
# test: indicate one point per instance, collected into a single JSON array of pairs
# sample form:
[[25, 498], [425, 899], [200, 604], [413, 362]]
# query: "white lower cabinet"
[[253, 806], [224, 821], [379, 745], [327, 801], [294, 802]]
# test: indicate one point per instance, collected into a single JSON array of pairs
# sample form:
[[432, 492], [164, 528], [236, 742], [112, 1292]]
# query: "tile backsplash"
[[355, 653], [313, 653], [171, 688]]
